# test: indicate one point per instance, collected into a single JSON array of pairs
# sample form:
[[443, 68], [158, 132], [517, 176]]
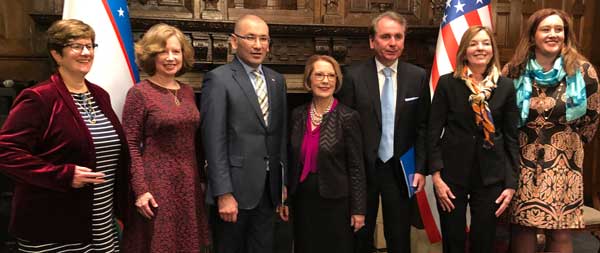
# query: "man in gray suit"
[[244, 130]]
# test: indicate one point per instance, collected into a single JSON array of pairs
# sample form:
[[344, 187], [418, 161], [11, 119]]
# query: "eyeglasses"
[[252, 38], [77, 48], [321, 76]]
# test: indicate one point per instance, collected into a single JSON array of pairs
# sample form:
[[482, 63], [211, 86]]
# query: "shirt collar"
[[380, 66], [250, 69]]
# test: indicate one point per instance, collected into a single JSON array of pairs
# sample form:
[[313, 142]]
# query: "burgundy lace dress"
[[164, 161]]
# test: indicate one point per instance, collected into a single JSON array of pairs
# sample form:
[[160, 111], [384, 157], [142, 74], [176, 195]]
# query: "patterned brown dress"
[[550, 192], [162, 138]]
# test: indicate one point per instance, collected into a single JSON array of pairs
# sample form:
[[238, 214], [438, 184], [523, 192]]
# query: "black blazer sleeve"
[[455, 142], [437, 121], [423, 110], [511, 134], [355, 164]]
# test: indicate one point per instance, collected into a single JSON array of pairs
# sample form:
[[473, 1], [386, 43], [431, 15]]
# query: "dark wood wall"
[[299, 29]]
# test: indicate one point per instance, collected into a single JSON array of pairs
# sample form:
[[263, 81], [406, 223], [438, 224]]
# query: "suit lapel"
[[243, 80], [66, 97], [271, 92], [401, 84], [372, 81]]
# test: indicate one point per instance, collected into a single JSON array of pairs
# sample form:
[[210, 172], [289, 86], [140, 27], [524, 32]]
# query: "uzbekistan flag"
[[114, 67]]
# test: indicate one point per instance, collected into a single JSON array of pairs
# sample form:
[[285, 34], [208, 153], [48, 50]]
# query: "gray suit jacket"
[[239, 145]]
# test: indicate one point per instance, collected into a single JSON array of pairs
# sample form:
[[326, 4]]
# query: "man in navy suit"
[[392, 98], [244, 131]]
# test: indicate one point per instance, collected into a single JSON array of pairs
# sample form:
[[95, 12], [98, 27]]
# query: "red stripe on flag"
[[430, 227], [118, 34], [450, 44], [489, 7], [473, 18], [435, 75]]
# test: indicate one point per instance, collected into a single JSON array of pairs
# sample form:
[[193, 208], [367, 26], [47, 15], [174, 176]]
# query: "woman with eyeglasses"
[[326, 179], [64, 147]]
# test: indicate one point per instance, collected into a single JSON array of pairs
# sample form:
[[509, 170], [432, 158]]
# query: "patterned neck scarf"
[[576, 95], [481, 93]]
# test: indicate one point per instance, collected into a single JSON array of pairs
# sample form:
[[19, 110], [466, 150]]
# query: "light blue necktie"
[[386, 144]]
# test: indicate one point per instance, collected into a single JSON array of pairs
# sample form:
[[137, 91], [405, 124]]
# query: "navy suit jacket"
[[360, 91], [239, 144]]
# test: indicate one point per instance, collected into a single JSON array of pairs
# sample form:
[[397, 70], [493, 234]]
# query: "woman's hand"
[[418, 182], [504, 200], [283, 211], [144, 203], [83, 176], [443, 193], [357, 221]]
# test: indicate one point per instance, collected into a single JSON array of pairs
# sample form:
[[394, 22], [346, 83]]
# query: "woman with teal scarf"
[[559, 103]]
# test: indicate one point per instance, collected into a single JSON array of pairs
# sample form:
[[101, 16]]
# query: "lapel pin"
[[273, 79]]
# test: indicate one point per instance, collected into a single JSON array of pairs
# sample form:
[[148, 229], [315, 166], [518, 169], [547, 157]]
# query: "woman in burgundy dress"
[[161, 122]]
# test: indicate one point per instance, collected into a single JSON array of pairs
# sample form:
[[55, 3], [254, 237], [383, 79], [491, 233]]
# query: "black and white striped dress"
[[107, 146]]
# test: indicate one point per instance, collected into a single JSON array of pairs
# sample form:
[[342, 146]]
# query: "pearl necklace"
[[316, 118]]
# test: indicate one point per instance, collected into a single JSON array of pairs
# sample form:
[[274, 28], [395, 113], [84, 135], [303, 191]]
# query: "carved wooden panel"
[[293, 51], [179, 3], [358, 49], [163, 8], [362, 11]]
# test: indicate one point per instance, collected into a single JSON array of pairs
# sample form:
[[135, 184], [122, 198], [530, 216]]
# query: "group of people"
[[501, 140]]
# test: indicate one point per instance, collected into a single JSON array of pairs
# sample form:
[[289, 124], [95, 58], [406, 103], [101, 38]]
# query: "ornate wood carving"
[[340, 48], [292, 44], [322, 45], [220, 46], [291, 51], [179, 3], [381, 5], [212, 9], [438, 7], [333, 13], [163, 8], [201, 43]]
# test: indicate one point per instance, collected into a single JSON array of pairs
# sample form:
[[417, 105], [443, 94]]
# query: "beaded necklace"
[[315, 117]]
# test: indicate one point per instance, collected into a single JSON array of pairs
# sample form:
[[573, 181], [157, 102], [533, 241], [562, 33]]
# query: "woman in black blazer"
[[472, 143], [326, 181]]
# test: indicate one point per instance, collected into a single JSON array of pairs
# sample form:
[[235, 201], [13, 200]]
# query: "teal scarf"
[[576, 95]]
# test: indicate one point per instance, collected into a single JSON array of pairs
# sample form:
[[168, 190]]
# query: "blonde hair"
[[461, 54], [154, 42]]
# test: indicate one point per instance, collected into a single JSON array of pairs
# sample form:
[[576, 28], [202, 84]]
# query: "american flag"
[[114, 67], [458, 16]]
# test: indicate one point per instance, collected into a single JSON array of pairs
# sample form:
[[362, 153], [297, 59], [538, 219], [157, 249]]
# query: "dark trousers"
[[252, 233], [396, 209], [482, 233]]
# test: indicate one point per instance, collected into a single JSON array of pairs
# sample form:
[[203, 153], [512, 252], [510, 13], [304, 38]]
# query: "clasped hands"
[[445, 196]]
